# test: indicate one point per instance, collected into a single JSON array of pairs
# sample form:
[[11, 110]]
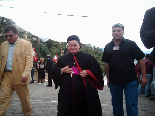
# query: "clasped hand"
[[66, 69]]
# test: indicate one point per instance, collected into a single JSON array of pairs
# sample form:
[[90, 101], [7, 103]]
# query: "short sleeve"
[[138, 54], [105, 55]]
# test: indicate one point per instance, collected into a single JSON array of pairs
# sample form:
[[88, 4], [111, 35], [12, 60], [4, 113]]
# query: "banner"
[[55, 58], [35, 57]]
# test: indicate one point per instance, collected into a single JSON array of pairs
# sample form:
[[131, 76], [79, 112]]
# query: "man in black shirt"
[[119, 56]]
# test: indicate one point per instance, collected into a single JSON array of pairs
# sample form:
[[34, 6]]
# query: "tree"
[[3, 23]]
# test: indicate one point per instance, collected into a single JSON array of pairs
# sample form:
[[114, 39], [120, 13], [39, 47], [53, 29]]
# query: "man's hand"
[[66, 69], [83, 73], [24, 79], [142, 66], [143, 81]]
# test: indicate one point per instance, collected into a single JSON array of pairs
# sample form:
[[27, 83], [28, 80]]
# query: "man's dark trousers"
[[49, 69], [49, 79]]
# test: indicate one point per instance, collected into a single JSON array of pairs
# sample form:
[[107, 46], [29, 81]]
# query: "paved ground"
[[44, 102]]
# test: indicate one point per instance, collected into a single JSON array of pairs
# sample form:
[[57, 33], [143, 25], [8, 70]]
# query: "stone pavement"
[[44, 102]]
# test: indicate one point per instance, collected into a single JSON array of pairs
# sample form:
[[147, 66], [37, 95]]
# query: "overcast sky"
[[49, 19]]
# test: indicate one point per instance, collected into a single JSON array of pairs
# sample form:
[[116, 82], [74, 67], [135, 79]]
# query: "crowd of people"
[[42, 69], [78, 74], [149, 75]]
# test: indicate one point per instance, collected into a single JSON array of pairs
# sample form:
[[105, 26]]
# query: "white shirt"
[[10, 56]]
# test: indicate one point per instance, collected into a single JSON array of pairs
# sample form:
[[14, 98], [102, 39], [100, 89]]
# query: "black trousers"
[[49, 79]]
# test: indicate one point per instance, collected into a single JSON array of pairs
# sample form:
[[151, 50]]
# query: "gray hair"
[[118, 25]]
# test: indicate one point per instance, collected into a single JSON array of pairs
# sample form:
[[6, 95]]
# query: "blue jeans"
[[154, 78], [32, 74], [147, 87], [131, 98]]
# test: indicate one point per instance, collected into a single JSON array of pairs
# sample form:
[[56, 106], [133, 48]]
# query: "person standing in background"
[[38, 61], [41, 68], [149, 72], [49, 69], [32, 72]]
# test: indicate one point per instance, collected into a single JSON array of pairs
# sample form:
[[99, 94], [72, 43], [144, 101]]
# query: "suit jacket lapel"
[[16, 51], [5, 53]]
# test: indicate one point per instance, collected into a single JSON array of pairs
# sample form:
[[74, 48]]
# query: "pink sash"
[[75, 70]]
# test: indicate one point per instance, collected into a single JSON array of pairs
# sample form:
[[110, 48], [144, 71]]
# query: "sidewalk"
[[44, 102]]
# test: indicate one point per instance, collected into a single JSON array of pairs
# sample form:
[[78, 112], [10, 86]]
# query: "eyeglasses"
[[9, 36], [74, 45]]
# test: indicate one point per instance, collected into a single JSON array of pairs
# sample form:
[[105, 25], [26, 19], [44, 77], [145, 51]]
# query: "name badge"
[[116, 48]]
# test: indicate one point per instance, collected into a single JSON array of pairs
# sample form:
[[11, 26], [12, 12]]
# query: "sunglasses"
[[9, 36]]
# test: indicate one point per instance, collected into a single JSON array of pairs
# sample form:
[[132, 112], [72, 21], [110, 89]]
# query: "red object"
[[35, 57], [79, 70], [94, 82], [55, 58]]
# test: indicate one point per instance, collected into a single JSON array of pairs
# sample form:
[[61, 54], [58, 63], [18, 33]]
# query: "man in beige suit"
[[16, 62]]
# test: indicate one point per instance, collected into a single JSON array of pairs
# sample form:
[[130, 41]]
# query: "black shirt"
[[121, 62], [147, 32]]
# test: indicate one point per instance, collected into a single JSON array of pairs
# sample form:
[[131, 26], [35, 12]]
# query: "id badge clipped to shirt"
[[116, 48]]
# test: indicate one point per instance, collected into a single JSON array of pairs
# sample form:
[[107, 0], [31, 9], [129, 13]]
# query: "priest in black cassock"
[[78, 75]]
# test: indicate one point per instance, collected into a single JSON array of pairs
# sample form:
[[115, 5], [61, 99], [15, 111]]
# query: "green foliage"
[[54, 47], [3, 23], [95, 52], [2, 39]]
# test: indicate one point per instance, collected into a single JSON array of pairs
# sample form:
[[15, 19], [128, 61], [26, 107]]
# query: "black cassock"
[[78, 96]]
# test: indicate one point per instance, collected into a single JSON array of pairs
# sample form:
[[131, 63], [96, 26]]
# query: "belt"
[[7, 70]]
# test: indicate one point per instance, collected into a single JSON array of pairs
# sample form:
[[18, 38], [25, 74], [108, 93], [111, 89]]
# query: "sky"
[[91, 20]]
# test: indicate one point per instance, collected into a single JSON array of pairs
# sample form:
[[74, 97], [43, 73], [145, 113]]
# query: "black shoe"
[[49, 86], [147, 95], [152, 98]]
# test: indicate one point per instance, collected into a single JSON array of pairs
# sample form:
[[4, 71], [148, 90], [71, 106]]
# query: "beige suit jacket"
[[22, 61]]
